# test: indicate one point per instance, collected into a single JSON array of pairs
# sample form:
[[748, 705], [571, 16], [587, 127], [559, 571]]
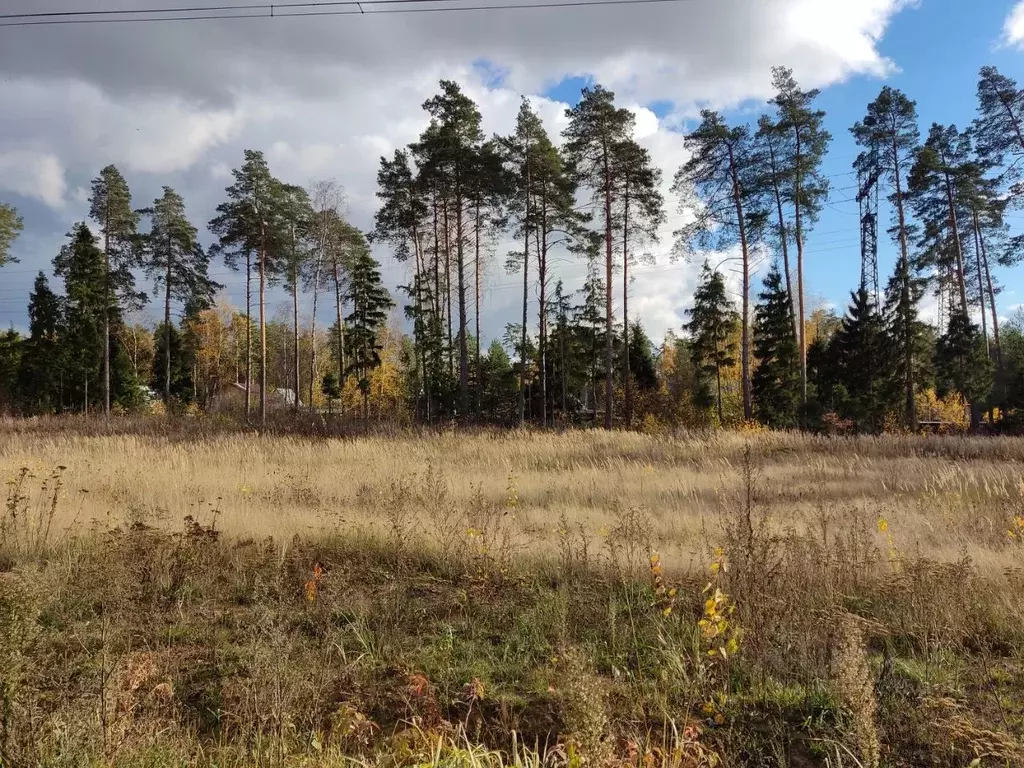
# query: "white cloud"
[[34, 174], [1013, 27], [177, 103]]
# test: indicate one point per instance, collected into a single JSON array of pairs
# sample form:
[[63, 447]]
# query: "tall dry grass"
[[606, 600], [940, 497]]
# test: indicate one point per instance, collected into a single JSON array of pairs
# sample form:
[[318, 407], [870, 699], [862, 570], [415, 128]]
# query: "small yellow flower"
[[883, 525]]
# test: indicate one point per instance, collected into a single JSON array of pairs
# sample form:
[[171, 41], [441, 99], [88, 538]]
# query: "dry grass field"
[[493, 598]]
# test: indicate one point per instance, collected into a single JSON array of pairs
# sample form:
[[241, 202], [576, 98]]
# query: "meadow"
[[173, 594]]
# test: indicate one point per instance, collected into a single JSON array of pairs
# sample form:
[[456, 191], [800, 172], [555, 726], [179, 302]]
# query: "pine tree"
[[111, 208], [400, 222], [776, 380], [719, 181], [453, 148], [807, 187], [889, 132], [712, 326], [42, 364], [540, 198], [491, 187], [772, 149], [174, 259], [326, 203], [296, 212], [641, 210], [370, 303], [520, 153], [11, 225], [1000, 124], [248, 223], [936, 195], [596, 127]]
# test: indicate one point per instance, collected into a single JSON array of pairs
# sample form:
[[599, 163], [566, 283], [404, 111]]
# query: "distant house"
[[232, 398]]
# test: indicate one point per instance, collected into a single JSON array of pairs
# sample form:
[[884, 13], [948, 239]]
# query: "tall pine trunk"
[[992, 305], [419, 327], [799, 233], [167, 328], [448, 284], [609, 354], [262, 267], [542, 276], [526, 292], [476, 274], [106, 310], [341, 332], [437, 263], [905, 297], [460, 266], [295, 335], [981, 291], [961, 276], [312, 323], [783, 236], [627, 383], [248, 335], [737, 196], [564, 373]]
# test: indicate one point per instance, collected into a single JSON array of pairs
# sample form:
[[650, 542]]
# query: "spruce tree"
[[641, 358], [82, 266], [596, 127], [174, 259], [861, 349], [889, 134], [567, 373], [42, 364], [590, 319], [172, 368], [110, 206], [370, 303], [776, 380], [712, 326], [962, 365], [11, 225], [720, 182]]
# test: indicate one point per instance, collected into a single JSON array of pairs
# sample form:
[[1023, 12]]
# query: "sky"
[[176, 103]]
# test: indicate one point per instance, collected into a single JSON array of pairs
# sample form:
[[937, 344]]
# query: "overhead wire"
[[271, 11]]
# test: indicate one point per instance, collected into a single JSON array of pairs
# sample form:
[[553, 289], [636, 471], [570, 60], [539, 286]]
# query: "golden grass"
[[941, 498]]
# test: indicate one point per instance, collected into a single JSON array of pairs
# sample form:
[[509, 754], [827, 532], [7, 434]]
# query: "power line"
[[270, 11]]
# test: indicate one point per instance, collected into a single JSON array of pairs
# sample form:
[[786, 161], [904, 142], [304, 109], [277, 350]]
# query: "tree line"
[[447, 203]]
